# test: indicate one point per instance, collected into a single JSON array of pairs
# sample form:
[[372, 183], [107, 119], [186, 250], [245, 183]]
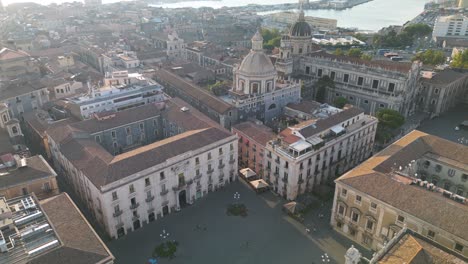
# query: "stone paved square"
[[266, 235]]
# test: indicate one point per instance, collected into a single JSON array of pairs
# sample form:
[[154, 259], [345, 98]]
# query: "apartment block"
[[419, 183], [128, 189], [318, 150]]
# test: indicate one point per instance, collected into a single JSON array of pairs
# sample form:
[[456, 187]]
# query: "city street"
[[207, 235]]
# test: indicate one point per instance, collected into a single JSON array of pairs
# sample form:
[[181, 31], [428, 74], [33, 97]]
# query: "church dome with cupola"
[[300, 28], [256, 74]]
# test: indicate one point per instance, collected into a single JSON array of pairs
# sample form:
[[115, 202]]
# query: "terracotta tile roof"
[[79, 242], [36, 168], [8, 54], [197, 93], [330, 121], [258, 132], [446, 77], [373, 177], [402, 67], [305, 106], [102, 168]]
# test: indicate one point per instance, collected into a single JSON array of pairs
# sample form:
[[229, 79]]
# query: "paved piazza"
[[266, 235], [444, 125]]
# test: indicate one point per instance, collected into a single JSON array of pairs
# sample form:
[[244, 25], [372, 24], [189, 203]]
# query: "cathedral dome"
[[257, 63], [300, 29]]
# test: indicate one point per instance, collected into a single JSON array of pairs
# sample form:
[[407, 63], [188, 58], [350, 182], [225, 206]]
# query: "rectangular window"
[[162, 176], [128, 130], [344, 192], [391, 87], [373, 206], [98, 139], [142, 126], [220, 150], [354, 217], [113, 134], [332, 75], [346, 78], [430, 234], [209, 155], [360, 80], [147, 182], [319, 72], [341, 210], [307, 71], [116, 209], [375, 84], [131, 188], [401, 219], [114, 196], [358, 199], [197, 161], [231, 146], [458, 247], [370, 225]]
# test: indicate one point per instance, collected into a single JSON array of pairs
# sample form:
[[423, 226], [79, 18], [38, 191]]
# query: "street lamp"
[[164, 234], [237, 196], [325, 258]]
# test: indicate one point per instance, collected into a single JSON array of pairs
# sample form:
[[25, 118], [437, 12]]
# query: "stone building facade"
[[370, 85], [127, 191], [318, 150], [404, 186]]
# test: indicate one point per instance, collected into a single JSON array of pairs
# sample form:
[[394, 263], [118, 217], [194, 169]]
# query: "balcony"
[[149, 199], [277, 161], [117, 213], [220, 166], [119, 225], [269, 155], [134, 206], [276, 174], [285, 180], [164, 192], [197, 177], [210, 171], [300, 181], [190, 182], [232, 161], [268, 168]]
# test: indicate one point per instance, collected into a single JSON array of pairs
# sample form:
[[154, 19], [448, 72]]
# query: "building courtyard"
[[206, 234]]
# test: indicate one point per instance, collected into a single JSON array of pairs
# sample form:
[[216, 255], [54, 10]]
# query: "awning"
[[259, 184], [300, 145], [337, 129], [315, 141], [293, 207], [248, 173]]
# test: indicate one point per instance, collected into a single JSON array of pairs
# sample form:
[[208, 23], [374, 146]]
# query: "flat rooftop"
[[34, 168], [48, 232]]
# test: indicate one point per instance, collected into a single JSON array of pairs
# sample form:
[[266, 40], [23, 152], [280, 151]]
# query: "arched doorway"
[[182, 198], [121, 232], [272, 106], [136, 224], [165, 210]]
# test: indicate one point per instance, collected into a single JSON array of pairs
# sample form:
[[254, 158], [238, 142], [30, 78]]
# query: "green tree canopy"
[[340, 102], [355, 52], [322, 84], [367, 57], [389, 121], [271, 38], [418, 30], [361, 37], [390, 118], [430, 57], [461, 60], [338, 52]]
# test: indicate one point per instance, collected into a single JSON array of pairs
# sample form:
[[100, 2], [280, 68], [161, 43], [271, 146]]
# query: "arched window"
[[14, 130], [241, 85], [255, 88], [5, 118], [272, 106]]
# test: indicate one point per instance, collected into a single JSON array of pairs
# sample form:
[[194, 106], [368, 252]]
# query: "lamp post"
[[164, 234], [325, 258], [237, 197]]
